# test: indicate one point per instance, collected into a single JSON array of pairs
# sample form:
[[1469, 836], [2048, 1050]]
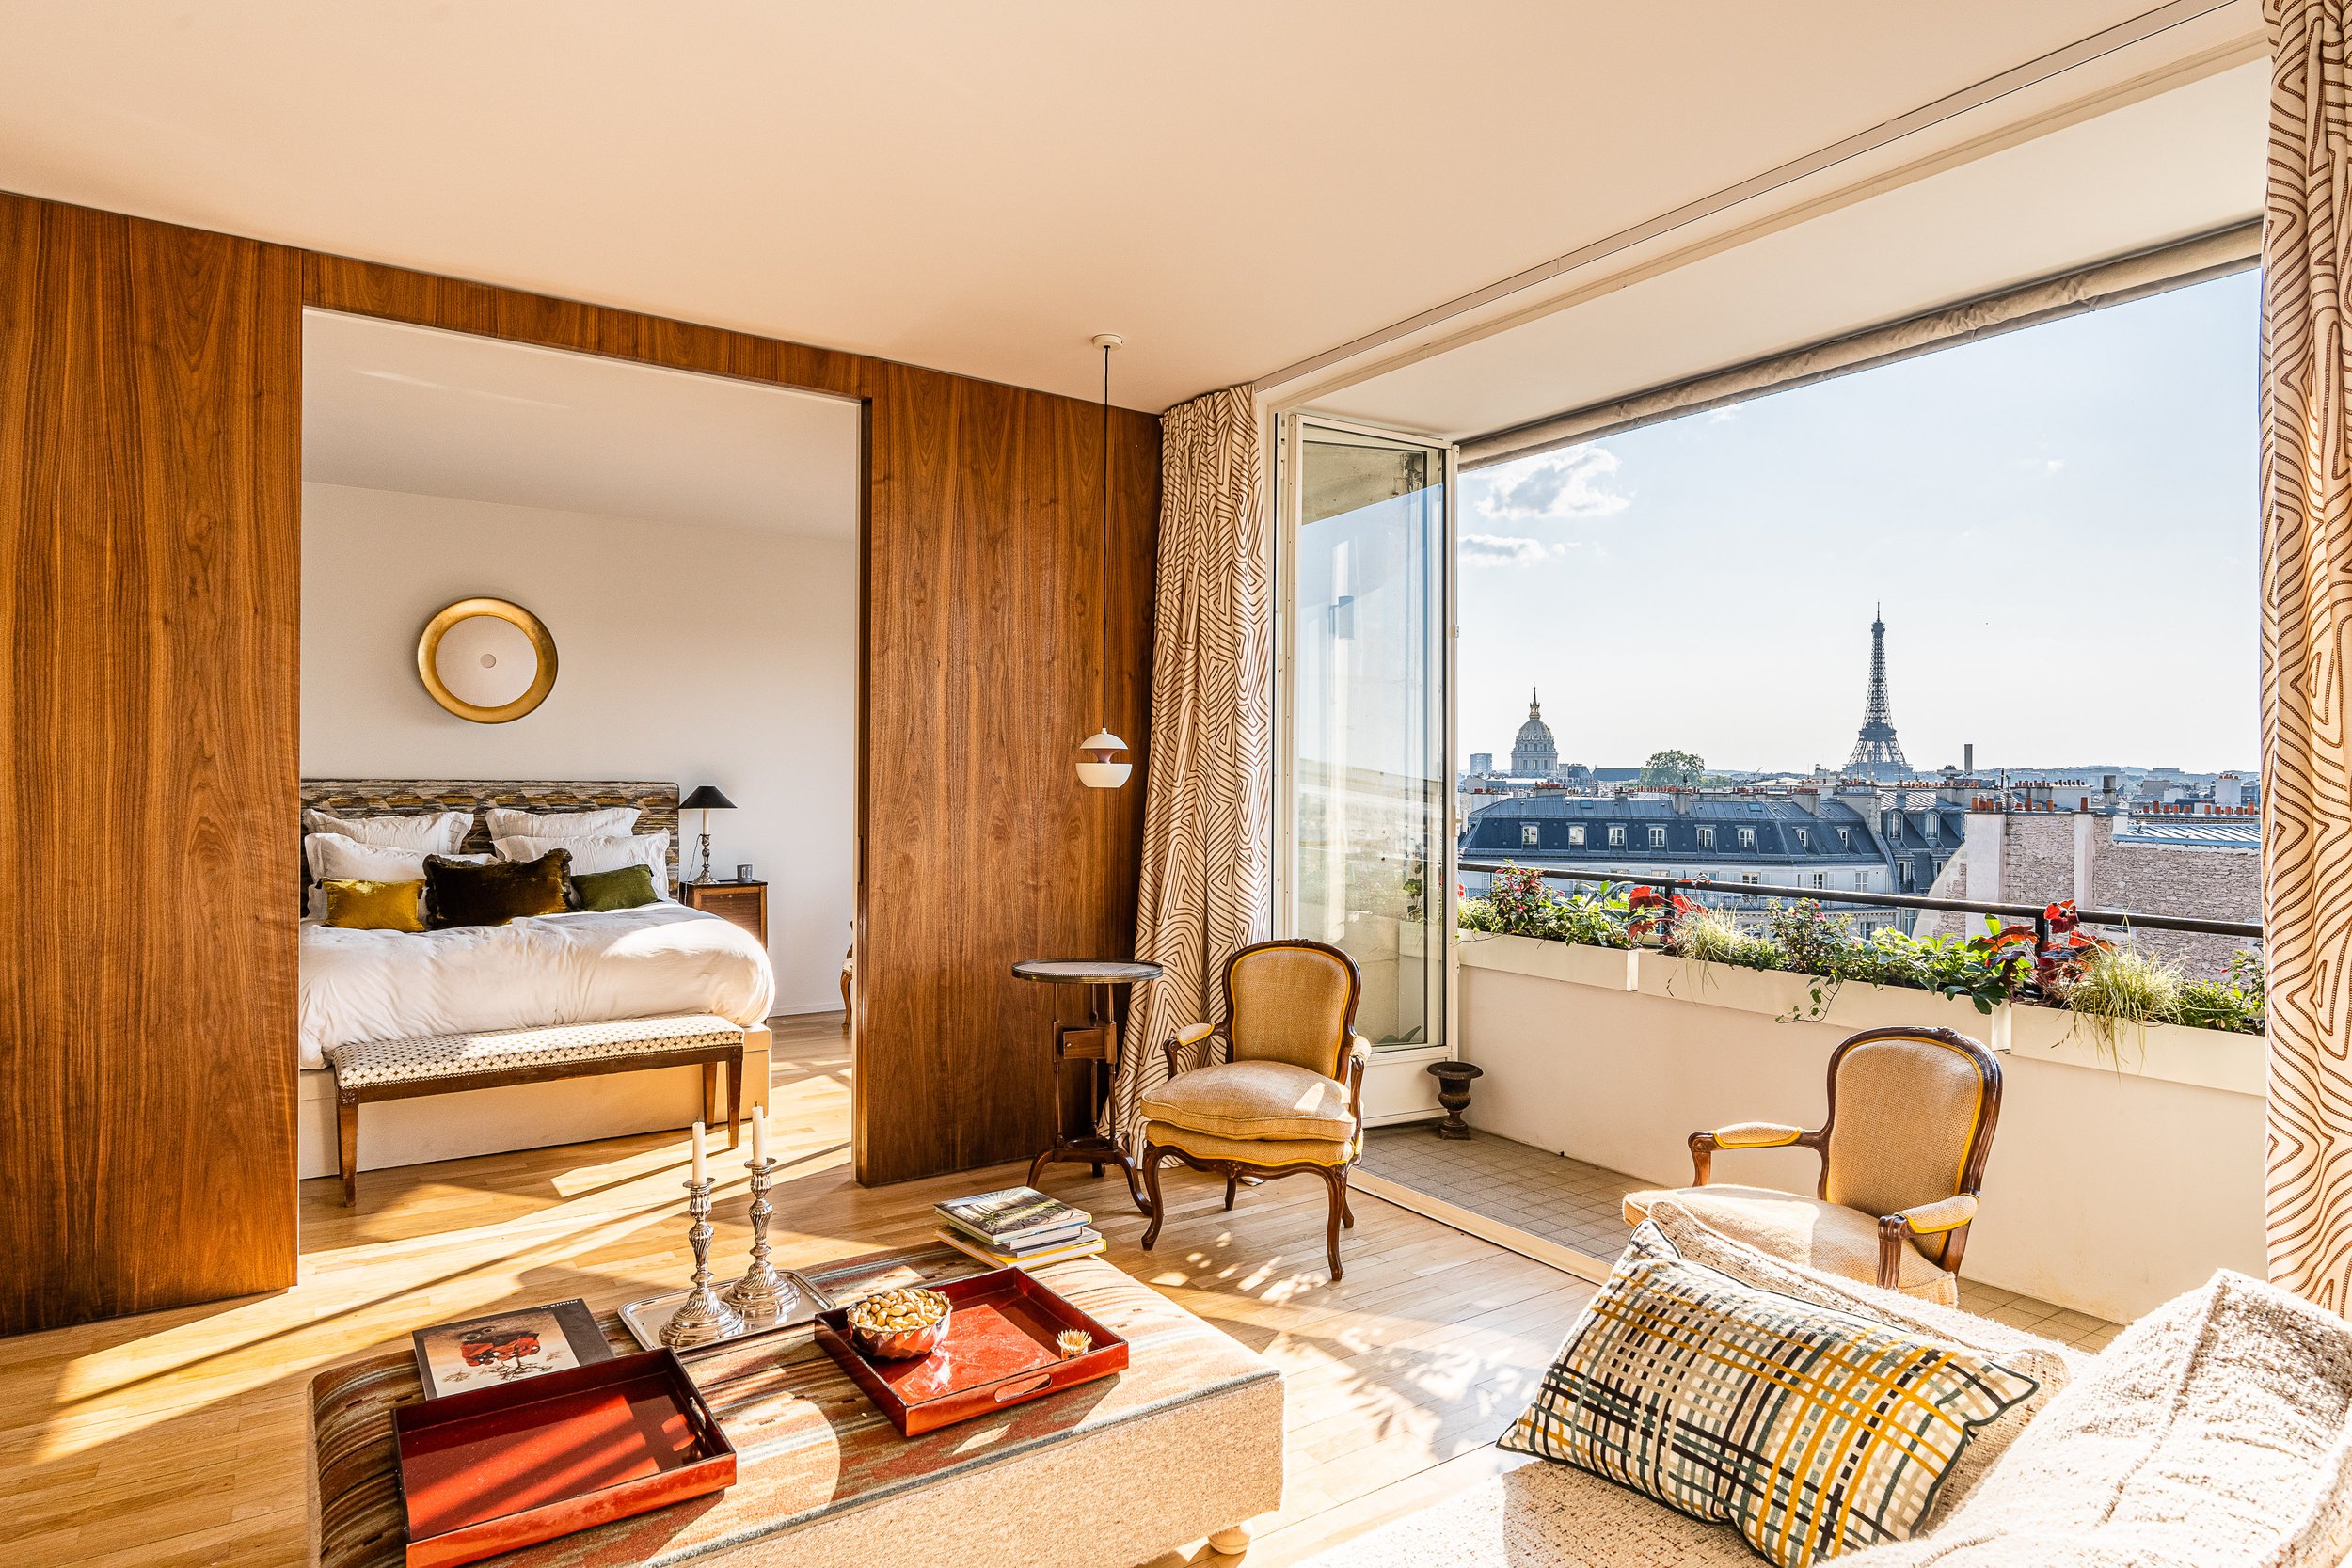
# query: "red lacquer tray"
[[998, 1351], [491, 1470]]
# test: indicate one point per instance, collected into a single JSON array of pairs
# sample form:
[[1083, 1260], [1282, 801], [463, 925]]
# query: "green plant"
[[2119, 987], [1711, 936], [2112, 988], [1519, 904]]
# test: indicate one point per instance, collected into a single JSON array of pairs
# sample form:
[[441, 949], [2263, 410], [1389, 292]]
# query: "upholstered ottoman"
[[1185, 1443]]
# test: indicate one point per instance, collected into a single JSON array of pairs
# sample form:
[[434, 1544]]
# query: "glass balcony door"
[[1367, 794]]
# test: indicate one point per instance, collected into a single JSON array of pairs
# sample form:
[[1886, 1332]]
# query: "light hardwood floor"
[[181, 1438]]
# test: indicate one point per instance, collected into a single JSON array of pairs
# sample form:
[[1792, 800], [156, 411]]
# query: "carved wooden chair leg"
[[1347, 1209], [1152, 1191], [1231, 1181], [1037, 1166], [1336, 1179]]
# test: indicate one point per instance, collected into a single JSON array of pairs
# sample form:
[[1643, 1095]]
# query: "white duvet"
[[545, 969]]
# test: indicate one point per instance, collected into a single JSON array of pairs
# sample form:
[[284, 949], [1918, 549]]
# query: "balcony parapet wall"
[[2118, 1179]]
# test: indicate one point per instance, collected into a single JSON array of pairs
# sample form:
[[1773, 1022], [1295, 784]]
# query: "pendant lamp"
[[1102, 764]]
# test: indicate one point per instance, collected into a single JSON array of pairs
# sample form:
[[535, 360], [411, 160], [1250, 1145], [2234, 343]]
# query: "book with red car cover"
[[502, 1347]]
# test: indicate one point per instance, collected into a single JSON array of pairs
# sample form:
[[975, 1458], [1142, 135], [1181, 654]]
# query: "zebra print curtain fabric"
[[1206, 888], [2307, 634]]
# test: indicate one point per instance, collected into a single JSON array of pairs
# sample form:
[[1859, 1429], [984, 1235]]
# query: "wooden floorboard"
[[179, 1438]]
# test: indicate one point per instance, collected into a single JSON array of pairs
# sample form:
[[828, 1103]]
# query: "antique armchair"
[[1903, 1147], [1288, 1098]]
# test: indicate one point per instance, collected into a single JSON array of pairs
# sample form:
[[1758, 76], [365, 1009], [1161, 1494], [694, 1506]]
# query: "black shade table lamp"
[[706, 800]]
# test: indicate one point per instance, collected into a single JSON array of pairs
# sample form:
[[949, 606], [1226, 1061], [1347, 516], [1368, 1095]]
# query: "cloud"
[[1557, 486], [1496, 550], [1722, 416], [2052, 465]]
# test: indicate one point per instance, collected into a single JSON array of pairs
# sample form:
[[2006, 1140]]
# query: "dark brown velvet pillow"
[[458, 893]]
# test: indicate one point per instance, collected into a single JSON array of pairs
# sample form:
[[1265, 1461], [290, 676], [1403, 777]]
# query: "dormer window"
[[1707, 835], [1803, 841], [1894, 827], [1531, 834], [1658, 838], [1617, 835], [1845, 838], [1576, 833], [1926, 826], [1747, 838]]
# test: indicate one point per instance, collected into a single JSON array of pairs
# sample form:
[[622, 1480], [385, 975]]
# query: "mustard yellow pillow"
[[358, 906]]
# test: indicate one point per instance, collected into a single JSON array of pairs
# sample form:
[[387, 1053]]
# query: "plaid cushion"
[[1810, 1430]]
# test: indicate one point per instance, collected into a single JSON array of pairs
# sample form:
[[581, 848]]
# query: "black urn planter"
[[1453, 1093]]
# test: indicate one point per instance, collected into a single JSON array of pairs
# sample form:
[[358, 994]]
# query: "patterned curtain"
[[2306, 625], [1208, 814]]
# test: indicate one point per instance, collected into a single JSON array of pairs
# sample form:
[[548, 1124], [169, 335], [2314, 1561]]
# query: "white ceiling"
[[386, 406], [1234, 184], [2183, 163]]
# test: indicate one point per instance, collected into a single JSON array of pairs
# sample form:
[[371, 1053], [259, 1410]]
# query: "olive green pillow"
[[624, 889], [458, 893]]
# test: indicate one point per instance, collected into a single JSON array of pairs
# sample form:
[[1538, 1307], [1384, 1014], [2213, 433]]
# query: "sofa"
[[2215, 1431]]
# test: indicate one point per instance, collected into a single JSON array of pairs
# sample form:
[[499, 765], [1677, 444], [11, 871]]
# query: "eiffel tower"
[[1877, 755]]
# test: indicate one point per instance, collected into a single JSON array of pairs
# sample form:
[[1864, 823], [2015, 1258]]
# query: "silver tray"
[[646, 1318]]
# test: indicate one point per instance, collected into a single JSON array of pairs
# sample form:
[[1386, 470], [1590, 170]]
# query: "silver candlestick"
[[762, 1295], [704, 1315]]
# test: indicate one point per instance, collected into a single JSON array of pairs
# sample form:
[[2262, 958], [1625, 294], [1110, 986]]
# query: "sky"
[[2062, 524]]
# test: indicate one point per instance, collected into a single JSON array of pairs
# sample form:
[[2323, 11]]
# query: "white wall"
[[693, 655], [2111, 1187]]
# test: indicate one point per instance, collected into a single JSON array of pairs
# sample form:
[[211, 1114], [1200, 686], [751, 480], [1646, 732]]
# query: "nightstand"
[[744, 904]]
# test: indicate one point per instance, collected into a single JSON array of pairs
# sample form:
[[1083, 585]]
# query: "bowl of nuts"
[[900, 1325]]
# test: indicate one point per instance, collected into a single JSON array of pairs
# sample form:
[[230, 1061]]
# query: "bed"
[[575, 968]]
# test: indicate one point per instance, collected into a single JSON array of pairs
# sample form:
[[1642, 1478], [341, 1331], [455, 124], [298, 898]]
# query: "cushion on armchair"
[[1258, 1151], [1825, 1236], [1254, 1100]]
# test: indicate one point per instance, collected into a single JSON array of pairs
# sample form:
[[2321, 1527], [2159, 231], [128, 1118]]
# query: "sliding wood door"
[[150, 588]]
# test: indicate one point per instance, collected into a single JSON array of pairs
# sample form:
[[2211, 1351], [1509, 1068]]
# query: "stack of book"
[[1019, 1228]]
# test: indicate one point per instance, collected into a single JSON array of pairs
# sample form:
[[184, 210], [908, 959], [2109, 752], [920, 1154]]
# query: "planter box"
[[1779, 994], [2209, 1058], [1610, 968]]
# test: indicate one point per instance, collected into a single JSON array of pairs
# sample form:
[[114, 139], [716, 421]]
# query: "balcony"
[[2128, 1164]]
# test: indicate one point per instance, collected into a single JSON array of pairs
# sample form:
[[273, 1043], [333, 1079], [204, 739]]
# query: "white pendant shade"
[[1096, 770]]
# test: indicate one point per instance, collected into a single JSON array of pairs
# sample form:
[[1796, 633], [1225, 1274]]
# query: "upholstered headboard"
[[656, 803]]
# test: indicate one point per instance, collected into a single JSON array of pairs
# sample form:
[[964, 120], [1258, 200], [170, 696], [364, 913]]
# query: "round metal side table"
[[1085, 1059]]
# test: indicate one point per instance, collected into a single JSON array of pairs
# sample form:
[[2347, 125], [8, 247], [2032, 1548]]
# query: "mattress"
[[579, 968]]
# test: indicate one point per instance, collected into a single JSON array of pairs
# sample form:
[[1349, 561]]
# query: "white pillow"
[[605, 853], [604, 822], [333, 855], [434, 833]]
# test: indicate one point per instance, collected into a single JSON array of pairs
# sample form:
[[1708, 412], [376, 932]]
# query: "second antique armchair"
[[1289, 1098], [1903, 1150]]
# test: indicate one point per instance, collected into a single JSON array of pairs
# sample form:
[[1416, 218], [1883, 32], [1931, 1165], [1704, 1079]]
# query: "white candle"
[[700, 1171], [759, 1135]]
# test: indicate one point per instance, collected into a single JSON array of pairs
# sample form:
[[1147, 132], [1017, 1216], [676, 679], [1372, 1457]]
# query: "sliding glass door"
[[1367, 792]]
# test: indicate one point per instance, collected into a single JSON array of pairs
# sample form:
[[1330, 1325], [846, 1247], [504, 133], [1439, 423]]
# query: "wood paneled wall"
[[149, 589], [150, 497], [979, 847]]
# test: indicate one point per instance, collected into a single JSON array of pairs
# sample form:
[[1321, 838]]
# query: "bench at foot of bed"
[[449, 1064]]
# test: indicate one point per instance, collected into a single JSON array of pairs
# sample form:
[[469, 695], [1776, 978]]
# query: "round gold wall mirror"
[[487, 660]]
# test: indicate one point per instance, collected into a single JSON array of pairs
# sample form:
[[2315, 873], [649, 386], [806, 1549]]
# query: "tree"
[[1672, 767]]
